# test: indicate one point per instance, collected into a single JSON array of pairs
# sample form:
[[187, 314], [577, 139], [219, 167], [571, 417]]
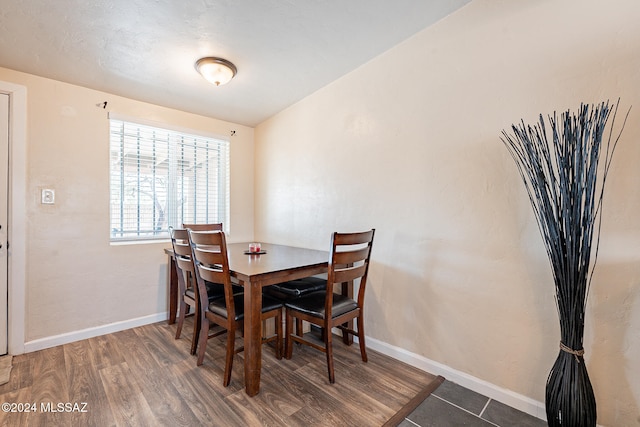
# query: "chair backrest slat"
[[209, 254], [353, 238], [349, 274], [210, 264], [185, 265], [351, 256], [180, 242], [182, 249], [211, 274], [204, 227]]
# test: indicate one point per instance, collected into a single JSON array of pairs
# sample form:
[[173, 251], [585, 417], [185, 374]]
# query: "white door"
[[4, 174]]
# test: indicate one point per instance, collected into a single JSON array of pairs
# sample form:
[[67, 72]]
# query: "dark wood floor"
[[143, 376]]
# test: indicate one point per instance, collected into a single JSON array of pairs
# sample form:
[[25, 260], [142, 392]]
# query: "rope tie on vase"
[[575, 353]]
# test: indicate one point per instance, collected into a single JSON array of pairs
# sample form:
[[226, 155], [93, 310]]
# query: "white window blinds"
[[162, 177]]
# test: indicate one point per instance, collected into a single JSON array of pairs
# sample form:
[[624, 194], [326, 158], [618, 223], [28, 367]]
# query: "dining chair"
[[204, 227], [187, 291], [348, 261], [209, 252]]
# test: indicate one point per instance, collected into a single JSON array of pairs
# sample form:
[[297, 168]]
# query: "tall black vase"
[[569, 397]]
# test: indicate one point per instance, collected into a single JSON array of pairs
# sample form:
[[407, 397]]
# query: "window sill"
[[138, 242]]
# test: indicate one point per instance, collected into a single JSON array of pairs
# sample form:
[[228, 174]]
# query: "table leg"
[[172, 277], [252, 337]]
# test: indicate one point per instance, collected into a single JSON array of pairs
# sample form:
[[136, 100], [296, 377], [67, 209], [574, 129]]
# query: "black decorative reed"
[[565, 183]]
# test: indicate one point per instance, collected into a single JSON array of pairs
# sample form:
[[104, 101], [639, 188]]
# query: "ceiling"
[[146, 49]]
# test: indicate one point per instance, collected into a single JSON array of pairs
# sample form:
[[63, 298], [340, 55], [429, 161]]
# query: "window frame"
[[173, 209]]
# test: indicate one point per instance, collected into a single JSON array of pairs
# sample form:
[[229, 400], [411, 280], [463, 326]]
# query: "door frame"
[[16, 231]]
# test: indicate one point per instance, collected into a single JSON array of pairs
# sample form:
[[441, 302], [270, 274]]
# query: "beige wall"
[[409, 144], [75, 279]]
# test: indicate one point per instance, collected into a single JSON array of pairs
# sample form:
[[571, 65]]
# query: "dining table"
[[277, 264]]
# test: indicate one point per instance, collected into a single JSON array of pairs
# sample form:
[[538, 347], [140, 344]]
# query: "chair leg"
[[228, 365], [328, 343], [183, 309], [363, 349], [346, 337], [196, 332], [279, 344], [299, 328], [202, 341], [287, 337]]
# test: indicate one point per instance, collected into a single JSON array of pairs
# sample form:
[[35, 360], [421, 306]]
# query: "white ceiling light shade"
[[216, 70]]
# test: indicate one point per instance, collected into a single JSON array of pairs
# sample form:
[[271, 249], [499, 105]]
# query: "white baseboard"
[[55, 340], [508, 397]]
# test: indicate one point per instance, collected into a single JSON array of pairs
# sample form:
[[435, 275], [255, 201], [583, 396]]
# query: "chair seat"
[[296, 288], [313, 304], [219, 307]]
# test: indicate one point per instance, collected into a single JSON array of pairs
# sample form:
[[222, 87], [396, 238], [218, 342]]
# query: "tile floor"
[[453, 405]]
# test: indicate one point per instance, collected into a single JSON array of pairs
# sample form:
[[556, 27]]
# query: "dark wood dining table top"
[[278, 264]]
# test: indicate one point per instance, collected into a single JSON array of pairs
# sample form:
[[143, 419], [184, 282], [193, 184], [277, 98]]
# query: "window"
[[162, 177]]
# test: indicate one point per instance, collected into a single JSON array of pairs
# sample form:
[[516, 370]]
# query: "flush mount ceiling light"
[[216, 70]]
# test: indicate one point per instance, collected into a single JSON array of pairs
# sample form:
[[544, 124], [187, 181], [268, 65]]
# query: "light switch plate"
[[48, 196]]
